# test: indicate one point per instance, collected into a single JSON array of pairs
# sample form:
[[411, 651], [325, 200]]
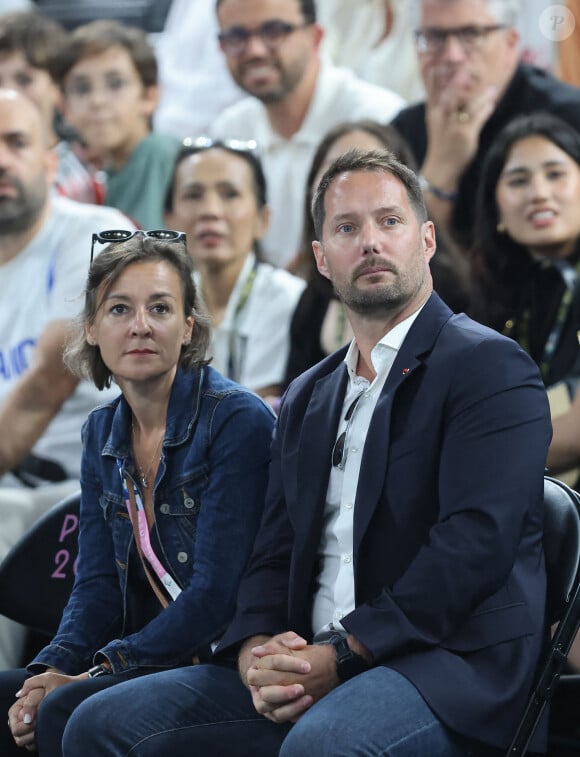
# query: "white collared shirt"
[[335, 596]]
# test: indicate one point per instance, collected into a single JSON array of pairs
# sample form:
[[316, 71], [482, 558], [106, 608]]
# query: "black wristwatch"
[[99, 670], [348, 663]]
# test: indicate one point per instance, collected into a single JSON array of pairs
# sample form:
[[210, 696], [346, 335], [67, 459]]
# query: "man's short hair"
[[37, 38], [307, 7], [505, 12], [377, 161], [99, 36]]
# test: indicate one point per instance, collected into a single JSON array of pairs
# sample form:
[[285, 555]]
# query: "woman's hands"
[[22, 714]]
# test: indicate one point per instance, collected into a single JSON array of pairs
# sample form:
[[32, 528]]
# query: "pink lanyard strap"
[[141, 529]]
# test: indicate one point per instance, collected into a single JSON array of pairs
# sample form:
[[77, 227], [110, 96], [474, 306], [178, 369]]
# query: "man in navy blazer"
[[395, 596]]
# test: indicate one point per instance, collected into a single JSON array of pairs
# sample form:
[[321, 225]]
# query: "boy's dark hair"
[[377, 161], [97, 37], [38, 38], [307, 7]]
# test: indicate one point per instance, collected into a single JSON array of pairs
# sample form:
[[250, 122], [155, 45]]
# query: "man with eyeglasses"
[[475, 83], [272, 49], [44, 258], [394, 600]]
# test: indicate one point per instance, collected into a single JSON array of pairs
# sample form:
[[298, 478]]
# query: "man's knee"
[[307, 736]]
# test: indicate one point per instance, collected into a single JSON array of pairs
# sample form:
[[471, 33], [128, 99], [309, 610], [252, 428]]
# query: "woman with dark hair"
[[319, 325], [217, 194], [173, 479], [527, 258]]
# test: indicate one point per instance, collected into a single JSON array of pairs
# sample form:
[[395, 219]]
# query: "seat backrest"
[[561, 544], [37, 575], [562, 553]]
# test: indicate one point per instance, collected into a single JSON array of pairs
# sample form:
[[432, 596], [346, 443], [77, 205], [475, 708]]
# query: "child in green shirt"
[[108, 74]]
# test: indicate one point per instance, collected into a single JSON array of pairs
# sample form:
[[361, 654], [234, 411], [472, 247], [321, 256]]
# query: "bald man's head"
[[17, 105], [27, 165]]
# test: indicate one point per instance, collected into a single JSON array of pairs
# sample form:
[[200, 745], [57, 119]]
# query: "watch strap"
[[348, 663]]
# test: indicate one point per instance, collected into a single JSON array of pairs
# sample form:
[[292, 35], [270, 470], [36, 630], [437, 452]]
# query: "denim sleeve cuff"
[[56, 656], [119, 656]]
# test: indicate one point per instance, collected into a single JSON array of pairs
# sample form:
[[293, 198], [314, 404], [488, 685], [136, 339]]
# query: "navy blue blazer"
[[448, 564]]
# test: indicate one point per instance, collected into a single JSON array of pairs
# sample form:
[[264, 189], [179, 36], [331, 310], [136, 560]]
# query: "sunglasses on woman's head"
[[111, 236]]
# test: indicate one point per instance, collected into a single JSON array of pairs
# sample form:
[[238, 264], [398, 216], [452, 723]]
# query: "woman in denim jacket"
[[184, 452]]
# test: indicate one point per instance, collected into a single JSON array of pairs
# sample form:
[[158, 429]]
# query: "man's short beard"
[[289, 80], [269, 98], [18, 215], [388, 298]]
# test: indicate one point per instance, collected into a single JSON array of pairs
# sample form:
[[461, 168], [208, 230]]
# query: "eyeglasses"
[[433, 41], [233, 41], [205, 143], [340, 450], [112, 85], [112, 236]]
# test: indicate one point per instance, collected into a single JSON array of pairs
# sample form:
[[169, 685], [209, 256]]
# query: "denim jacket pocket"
[[177, 512]]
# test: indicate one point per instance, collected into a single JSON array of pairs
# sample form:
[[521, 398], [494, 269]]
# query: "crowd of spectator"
[[222, 127]]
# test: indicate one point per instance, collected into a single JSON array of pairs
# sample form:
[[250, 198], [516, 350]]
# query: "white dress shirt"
[[335, 595]]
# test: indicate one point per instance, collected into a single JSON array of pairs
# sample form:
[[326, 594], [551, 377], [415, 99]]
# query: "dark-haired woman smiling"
[[527, 261]]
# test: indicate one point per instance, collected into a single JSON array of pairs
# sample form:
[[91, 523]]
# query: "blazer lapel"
[[317, 438], [414, 350]]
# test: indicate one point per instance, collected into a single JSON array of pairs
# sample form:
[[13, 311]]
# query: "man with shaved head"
[[44, 259]]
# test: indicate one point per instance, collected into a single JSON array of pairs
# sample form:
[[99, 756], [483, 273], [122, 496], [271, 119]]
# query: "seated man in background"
[[44, 256], [475, 83], [394, 602]]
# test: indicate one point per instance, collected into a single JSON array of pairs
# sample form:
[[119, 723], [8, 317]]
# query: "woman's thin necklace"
[[144, 475]]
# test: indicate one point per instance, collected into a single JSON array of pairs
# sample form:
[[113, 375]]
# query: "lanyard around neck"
[[570, 277], [136, 510], [245, 293]]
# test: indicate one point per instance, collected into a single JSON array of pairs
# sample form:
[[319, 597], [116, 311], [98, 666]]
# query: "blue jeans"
[[205, 711]]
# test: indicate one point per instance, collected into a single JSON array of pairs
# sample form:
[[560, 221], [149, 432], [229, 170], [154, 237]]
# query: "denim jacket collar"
[[179, 422]]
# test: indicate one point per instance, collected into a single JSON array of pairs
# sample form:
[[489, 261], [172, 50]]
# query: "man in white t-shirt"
[[44, 259], [272, 49]]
